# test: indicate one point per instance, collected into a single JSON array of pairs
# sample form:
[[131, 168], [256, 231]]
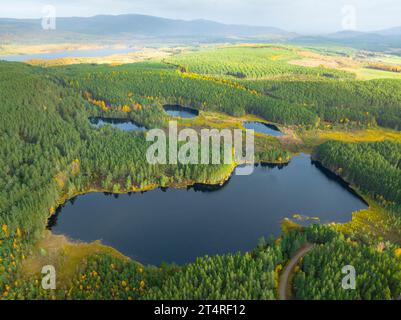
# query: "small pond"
[[264, 128], [121, 124], [180, 111]]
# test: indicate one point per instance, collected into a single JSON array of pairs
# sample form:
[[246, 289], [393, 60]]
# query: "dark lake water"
[[92, 53], [264, 128], [180, 111], [179, 225], [125, 125]]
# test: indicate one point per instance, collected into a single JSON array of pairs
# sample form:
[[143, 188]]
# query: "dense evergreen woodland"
[[254, 275], [157, 83], [373, 167], [377, 269], [252, 62], [333, 95], [39, 138], [50, 152], [347, 102], [289, 102]]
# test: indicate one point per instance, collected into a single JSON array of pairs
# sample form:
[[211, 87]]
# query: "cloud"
[[293, 15]]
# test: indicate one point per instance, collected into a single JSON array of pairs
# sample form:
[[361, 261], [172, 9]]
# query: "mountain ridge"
[[136, 24], [147, 29]]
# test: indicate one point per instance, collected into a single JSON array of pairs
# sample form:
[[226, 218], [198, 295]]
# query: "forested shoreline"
[[373, 167], [50, 153]]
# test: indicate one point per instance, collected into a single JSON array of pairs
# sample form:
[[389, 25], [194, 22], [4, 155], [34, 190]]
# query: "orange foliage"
[[138, 106], [60, 179], [385, 67], [101, 104]]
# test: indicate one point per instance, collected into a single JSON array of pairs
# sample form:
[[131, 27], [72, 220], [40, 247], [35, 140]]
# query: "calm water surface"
[[121, 124], [180, 111], [92, 53], [264, 128], [180, 225]]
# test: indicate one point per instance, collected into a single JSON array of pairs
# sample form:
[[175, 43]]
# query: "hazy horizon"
[[307, 16]]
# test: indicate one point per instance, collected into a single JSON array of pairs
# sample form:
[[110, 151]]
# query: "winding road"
[[285, 275]]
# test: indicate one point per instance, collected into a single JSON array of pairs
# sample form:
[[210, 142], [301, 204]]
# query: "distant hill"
[[144, 29], [154, 26], [130, 25], [391, 32], [346, 34], [386, 41]]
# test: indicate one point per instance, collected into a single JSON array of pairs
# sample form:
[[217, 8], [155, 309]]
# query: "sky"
[[305, 16]]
